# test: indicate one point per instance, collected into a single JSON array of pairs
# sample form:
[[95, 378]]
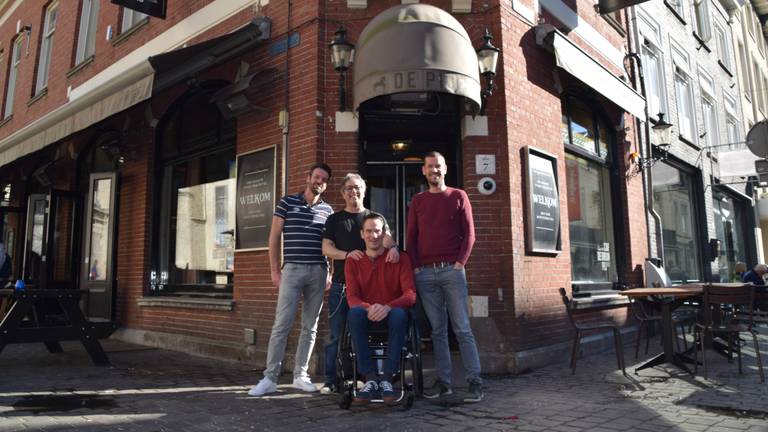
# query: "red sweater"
[[440, 227], [377, 281]]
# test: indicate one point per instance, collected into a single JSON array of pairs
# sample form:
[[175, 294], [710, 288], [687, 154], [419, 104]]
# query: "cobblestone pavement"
[[150, 390]]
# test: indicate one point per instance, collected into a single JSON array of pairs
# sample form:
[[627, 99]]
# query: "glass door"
[[97, 265], [391, 186], [35, 245]]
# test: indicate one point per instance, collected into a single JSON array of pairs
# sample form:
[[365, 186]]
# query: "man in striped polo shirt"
[[300, 219]]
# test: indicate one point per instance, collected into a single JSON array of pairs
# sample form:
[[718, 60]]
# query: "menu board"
[[255, 198], [543, 202]]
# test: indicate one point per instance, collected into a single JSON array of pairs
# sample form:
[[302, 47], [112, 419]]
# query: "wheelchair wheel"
[[345, 401], [416, 366]]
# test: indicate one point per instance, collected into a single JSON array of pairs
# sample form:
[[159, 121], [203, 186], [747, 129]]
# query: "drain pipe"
[[647, 174], [286, 116]]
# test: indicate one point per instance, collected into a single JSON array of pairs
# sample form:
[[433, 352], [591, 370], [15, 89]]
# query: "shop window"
[[728, 212], [674, 200], [131, 18], [588, 139], [46, 47], [197, 211], [86, 36], [13, 74]]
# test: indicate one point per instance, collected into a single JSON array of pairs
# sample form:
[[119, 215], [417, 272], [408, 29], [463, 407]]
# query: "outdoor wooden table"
[[72, 325], [669, 299]]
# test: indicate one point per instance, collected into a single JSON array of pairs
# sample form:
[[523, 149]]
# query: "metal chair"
[[589, 326], [715, 297]]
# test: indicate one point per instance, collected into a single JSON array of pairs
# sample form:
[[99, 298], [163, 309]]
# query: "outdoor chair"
[[714, 299], [583, 326]]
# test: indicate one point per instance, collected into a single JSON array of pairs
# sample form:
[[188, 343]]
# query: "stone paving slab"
[[150, 389]]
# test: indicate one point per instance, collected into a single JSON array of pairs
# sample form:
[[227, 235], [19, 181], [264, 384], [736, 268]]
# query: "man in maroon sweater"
[[441, 233], [378, 293]]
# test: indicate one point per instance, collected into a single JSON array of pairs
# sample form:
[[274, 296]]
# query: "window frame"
[[13, 76], [697, 199], [657, 73], [87, 30], [701, 20], [724, 47], [609, 178], [711, 118], [130, 18], [684, 79], [46, 47], [222, 140]]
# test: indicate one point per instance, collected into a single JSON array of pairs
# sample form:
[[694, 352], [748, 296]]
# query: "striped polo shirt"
[[302, 231]]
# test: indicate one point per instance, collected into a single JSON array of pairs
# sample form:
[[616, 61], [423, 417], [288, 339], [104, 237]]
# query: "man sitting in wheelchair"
[[379, 293]]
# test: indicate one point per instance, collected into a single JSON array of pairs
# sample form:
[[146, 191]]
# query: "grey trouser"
[[297, 280]]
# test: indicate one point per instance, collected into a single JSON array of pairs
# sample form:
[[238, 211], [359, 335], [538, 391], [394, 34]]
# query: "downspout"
[[286, 116], [647, 174]]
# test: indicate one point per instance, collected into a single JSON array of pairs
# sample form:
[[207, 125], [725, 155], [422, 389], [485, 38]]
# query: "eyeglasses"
[[353, 189]]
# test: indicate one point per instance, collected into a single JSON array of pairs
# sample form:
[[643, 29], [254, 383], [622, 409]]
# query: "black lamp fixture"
[[487, 57], [342, 56], [662, 130]]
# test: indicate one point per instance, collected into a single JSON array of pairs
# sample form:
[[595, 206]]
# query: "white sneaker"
[[264, 386], [304, 384]]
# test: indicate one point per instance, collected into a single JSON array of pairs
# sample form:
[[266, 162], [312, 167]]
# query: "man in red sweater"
[[378, 293], [441, 233]]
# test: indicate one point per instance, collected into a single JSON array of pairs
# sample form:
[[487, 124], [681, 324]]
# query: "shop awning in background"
[[136, 81], [581, 65], [415, 48]]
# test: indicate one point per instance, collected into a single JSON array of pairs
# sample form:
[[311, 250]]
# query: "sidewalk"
[[149, 390]]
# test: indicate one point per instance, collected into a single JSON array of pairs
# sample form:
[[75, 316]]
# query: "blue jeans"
[[397, 326], [443, 293], [337, 319], [298, 280]]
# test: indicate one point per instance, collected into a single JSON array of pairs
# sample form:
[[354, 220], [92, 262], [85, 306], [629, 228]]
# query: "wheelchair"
[[411, 385]]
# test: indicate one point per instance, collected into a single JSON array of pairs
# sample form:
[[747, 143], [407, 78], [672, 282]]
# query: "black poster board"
[[155, 8], [255, 199], [543, 202]]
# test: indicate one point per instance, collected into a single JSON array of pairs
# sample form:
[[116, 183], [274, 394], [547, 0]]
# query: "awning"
[[415, 48], [581, 65], [89, 105]]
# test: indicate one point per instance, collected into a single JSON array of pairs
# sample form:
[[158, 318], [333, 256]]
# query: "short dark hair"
[[322, 166], [374, 215], [434, 154]]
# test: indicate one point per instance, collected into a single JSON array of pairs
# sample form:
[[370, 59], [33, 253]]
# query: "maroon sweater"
[[377, 281], [440, 227]]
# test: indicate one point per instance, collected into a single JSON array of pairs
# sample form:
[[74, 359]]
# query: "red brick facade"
[[524, 309]]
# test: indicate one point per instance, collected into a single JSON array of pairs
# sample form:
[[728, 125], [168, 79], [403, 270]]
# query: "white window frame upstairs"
[[724, 47], [13, 74], [131, 18], [732, 131], [678, 6], [701, 19], [46, 46], [86, 36], [684, 100]]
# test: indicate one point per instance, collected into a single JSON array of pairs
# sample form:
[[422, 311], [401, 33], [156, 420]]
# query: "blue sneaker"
[[387, 392], [369, 391]]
